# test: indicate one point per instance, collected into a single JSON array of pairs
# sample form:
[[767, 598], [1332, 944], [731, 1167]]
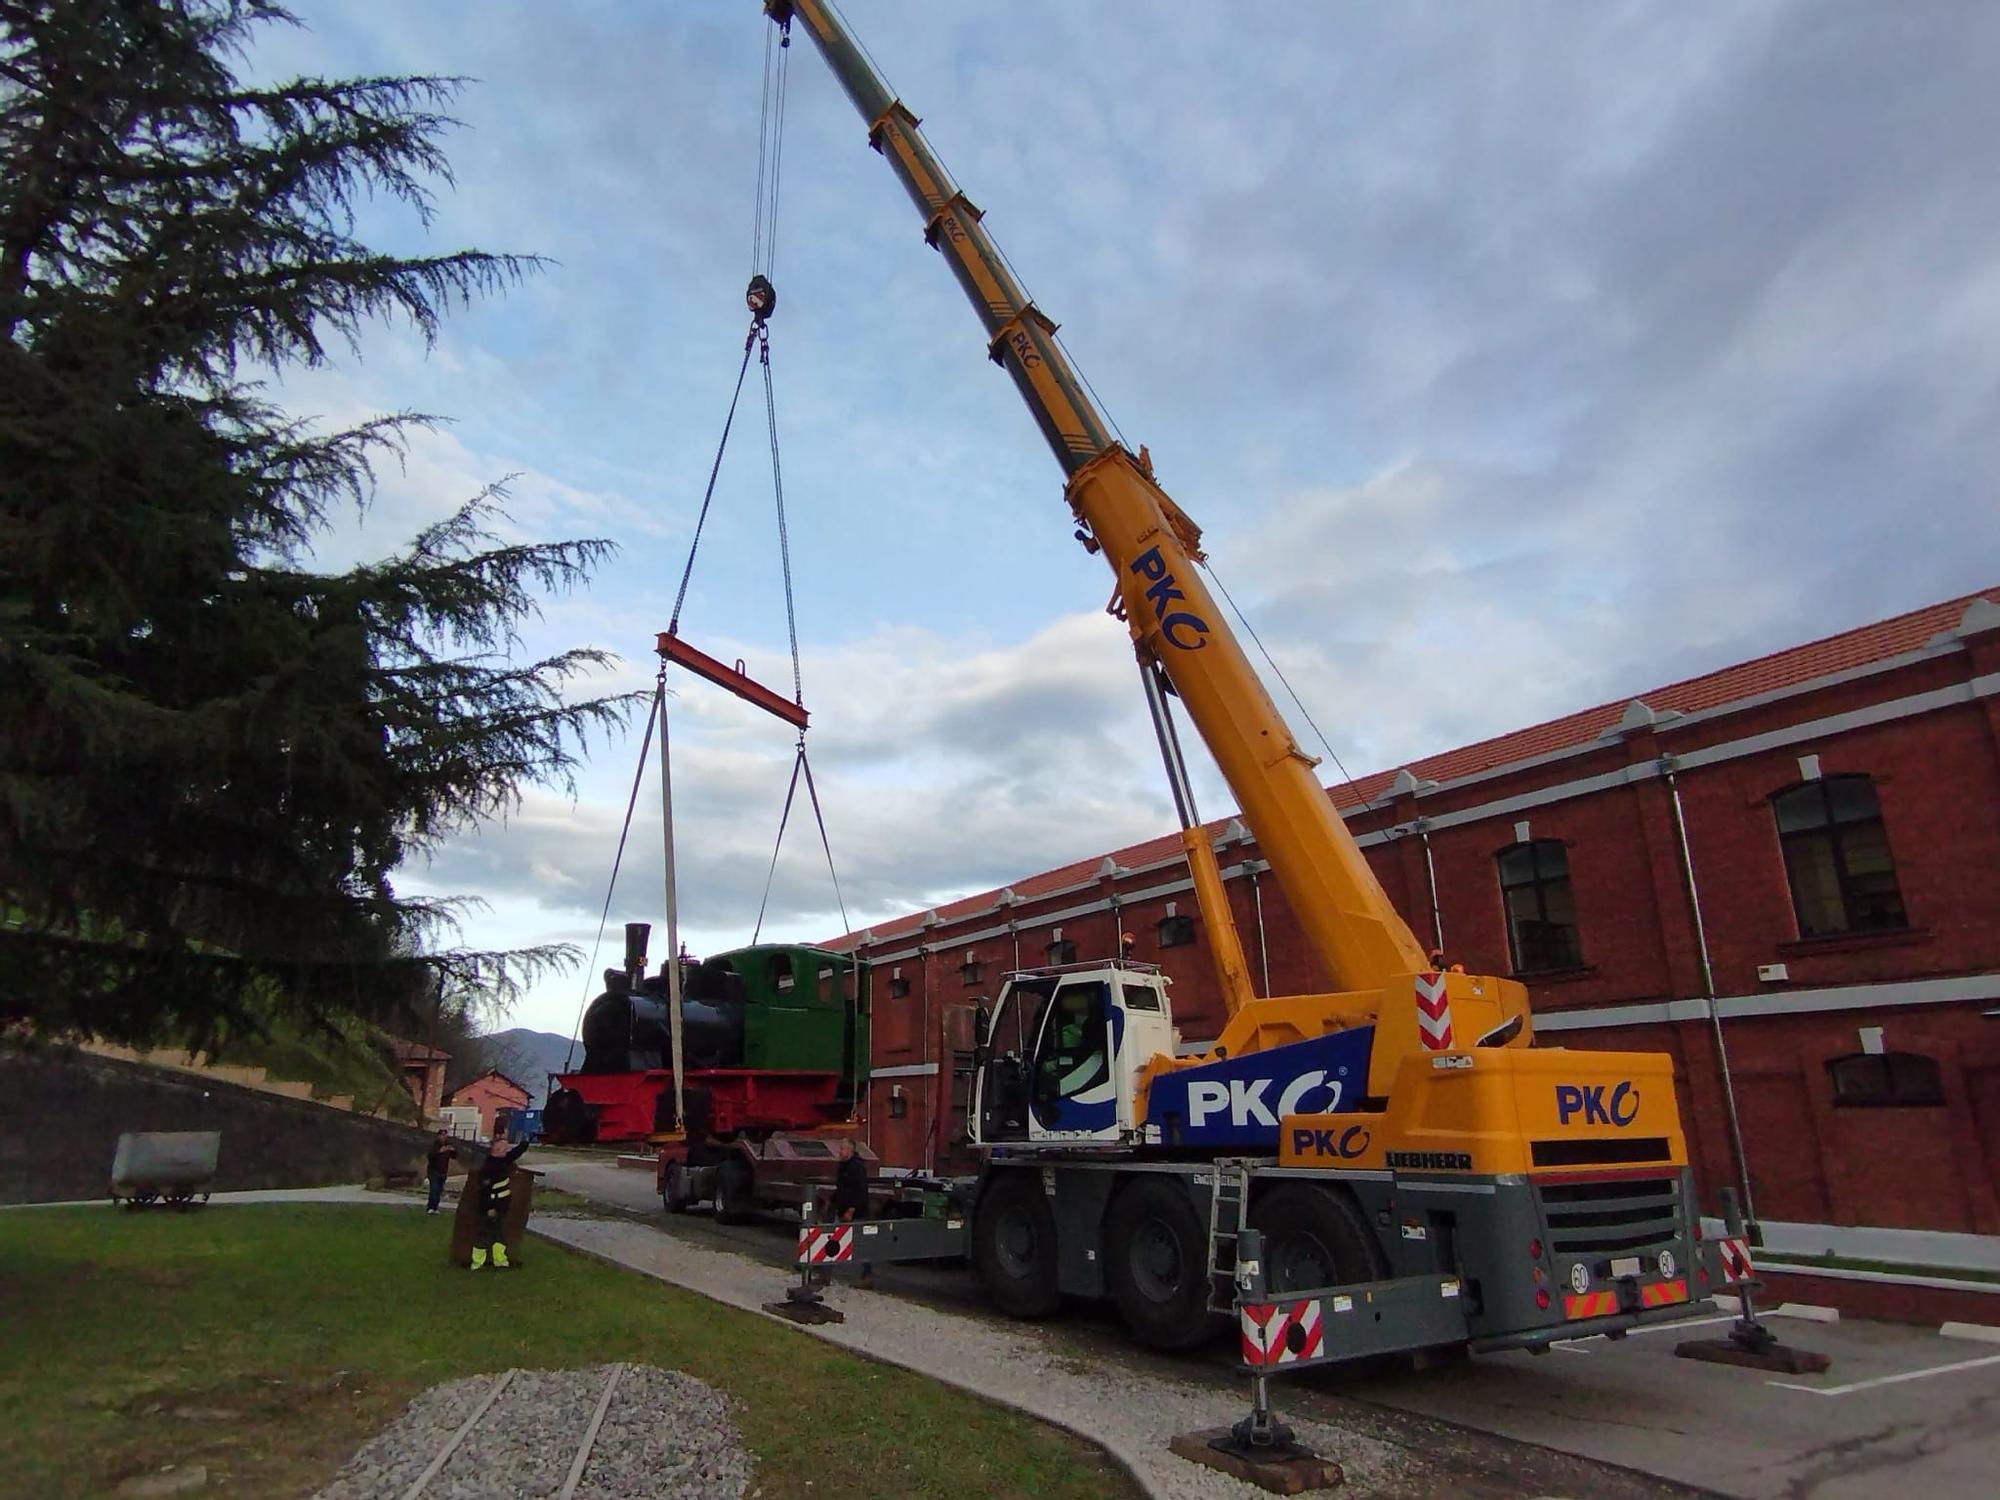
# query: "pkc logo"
[[1588, 1100], [1243, 1099], [1346, 1144], [1183, 629]]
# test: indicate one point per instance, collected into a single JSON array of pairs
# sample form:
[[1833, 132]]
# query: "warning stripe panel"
[[1590, 1304], [1663, 1293], [1282, 1334], [1735, 1257], [821, 1246]]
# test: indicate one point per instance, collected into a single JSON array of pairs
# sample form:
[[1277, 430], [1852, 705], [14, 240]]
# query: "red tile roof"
[[1781, 669]]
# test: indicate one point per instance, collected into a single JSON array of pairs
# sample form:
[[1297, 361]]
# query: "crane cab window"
[[1073, 1052], [1140, 997]]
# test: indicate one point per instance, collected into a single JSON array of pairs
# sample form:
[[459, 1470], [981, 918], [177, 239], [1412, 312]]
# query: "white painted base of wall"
[[1915, 1247]]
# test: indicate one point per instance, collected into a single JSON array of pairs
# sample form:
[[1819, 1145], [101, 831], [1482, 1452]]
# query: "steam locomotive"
[[774, 1038]]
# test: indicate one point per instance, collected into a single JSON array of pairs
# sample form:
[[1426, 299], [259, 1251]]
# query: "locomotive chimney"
[[636, 934]]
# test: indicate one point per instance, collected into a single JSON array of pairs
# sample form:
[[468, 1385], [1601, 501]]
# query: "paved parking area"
[[1902, 1411]]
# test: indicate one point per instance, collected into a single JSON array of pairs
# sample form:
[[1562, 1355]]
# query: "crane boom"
[[1154, 550]]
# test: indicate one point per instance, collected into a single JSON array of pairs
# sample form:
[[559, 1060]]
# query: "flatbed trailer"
[[742, 1176]]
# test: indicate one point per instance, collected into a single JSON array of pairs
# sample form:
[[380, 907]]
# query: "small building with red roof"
[[489, 1093], [1838, 900]]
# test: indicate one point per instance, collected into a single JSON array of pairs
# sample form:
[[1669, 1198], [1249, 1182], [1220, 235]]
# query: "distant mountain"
[[528, 1057]]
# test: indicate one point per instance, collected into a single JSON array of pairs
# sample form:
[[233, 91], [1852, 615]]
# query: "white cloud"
[[1515, 359]]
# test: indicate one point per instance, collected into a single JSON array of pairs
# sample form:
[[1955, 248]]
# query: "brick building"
[[1841, 802], [489, 1093]]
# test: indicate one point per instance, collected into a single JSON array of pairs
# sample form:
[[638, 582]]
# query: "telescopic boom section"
[[1153, 548]]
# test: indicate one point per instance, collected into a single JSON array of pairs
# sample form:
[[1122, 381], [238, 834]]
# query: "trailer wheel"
[[1158, 1264], [735, 1192], [1314, 1238], [1014, 1246], [674, 1195]]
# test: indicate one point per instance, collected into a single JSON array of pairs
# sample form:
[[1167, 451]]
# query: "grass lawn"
[[267, 1342]]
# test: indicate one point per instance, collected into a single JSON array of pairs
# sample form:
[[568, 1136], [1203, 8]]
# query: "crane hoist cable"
[[611, 886], [761, 297]]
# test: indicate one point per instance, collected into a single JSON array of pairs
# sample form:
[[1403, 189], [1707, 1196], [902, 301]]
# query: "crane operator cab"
[[1060, 1055]]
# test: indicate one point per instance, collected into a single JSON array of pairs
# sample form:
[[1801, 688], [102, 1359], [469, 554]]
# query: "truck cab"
[[1061, 1055]]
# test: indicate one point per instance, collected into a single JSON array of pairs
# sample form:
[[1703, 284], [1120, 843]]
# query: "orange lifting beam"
[[674, 649]]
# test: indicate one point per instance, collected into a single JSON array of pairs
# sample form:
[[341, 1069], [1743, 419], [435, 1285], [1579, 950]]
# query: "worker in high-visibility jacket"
[[495, 1187]]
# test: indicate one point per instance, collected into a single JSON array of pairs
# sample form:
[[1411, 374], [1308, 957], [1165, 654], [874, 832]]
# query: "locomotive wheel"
[[735, 1192], [1014, 1246], [1314, 1238], [1158, 1265]]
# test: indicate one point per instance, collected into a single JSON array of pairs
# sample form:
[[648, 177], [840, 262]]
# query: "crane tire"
[[1014, 1245], [1314, 1237], [1157, 1252], [735, 1192]]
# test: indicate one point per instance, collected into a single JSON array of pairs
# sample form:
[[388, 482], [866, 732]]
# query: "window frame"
[[1059, 951], [1176, 931], [1897, 1089], [1832, 829], [1538, 882]]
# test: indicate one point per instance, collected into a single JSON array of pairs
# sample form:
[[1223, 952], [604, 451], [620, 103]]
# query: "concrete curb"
[[1808, 1312], [1126, 1461], [338, 1193], [1980, 1332]]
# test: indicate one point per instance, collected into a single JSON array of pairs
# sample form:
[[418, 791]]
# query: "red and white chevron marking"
[[1281, 1333], [1735, 1260], [1433, 1013], [818, 1247]]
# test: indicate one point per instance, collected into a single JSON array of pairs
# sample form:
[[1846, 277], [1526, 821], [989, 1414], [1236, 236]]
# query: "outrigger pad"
[[1787, 1359], [805, 1312], [1285, 1469], [801, 1306]]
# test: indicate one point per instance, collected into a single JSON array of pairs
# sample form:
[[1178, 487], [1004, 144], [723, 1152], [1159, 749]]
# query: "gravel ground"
[[665, 1435], [1133, 1416]]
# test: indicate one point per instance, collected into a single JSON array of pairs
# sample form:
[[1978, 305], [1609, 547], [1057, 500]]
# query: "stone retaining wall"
[[62, 1111]]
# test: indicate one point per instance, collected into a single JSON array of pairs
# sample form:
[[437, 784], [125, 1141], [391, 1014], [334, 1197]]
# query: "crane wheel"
[[735, 1192], [1158, 1263], [1314, 1237], [1014, 1246]]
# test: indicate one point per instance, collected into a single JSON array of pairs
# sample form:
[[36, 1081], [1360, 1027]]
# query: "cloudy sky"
[[1515, 357]]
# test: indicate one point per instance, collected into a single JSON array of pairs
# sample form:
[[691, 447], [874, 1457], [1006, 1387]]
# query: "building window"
[[1176, 932], [899, 988], [970, 971], [1837, 857], [898, 1105], [1541, 917], [1061, 951], [1884, 1079]]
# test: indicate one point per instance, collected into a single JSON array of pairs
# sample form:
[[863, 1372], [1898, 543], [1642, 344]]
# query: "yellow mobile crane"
[[1399, 1140]]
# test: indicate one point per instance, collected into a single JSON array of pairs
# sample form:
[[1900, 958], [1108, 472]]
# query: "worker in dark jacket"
[[850, 1187], [850, 1197], [437, 1163], [495, 1187]]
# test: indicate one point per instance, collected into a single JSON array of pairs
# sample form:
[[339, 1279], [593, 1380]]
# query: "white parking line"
[[1565, 1344], [1863, 1385]]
